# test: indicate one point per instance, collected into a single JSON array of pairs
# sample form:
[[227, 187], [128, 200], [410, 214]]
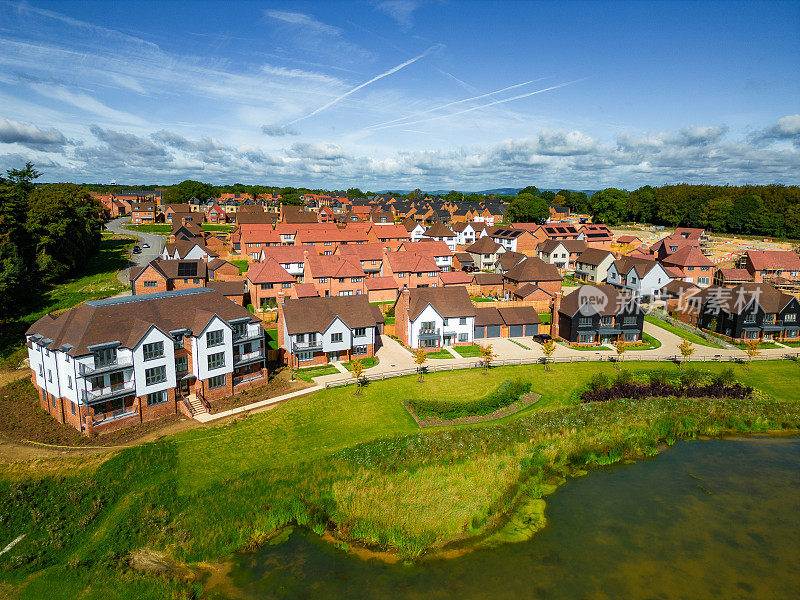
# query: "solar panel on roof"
[[187, 269]]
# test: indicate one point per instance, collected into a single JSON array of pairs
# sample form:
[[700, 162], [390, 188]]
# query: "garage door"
[[516, 331], [480, 332], [531, 329], [493, 331]]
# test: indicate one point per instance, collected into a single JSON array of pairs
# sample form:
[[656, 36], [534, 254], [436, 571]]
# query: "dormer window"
[[105, 357]]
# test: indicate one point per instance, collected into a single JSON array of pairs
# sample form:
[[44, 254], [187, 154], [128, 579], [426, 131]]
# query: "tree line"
[[46, 233], [770, 210]]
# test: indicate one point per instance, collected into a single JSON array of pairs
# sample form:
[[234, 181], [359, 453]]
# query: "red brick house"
[[534, 271], [143, 213], [267, 279], [335, 275], [166, 275]]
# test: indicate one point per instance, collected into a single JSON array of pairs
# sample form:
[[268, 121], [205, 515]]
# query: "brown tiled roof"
[[571, 246], [612, 304], [533, 269], [688, 256], [334, 266], [509, 259], [447, 301], [439, 230], [628, 239], [305, 290], [381, 283], [295, 214], [526, 290], [170, 269], [268, 271], [185, 246], [362, 251], [411, 262], [227, 288], [488, 278], [679, 287], [519, 315], [390, 232], [253, 217], [429, 247], [774, 259], [593, 256], [483, 245], [487, 316], [643, 266], [409, 224], [464, 257], [178, 208], [455, 278], [127, 319], [736, 274], [316, 314], [193, 229]]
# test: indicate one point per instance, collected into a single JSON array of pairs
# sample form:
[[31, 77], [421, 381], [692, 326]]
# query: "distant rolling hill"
[[495, 191]]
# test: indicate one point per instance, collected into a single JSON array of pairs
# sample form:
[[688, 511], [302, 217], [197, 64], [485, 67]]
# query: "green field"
[[682, 333], [158, 228], [98, 279], [357, 463]]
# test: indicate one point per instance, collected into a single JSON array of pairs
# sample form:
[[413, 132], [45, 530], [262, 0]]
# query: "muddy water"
[[705, 519]]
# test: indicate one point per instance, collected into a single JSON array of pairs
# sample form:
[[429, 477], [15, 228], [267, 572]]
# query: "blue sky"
[[403, 93]]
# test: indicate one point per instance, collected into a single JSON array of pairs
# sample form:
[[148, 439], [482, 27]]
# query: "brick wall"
[[401, 316]]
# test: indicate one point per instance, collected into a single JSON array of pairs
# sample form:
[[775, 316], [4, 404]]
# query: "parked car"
[[145, 245], [468, 269], [541, 338], [137, 250]]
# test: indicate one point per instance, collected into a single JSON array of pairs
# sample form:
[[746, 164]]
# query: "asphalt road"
[[156, 244]]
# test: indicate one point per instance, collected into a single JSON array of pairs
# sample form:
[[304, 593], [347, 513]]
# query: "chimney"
[[554, 317]]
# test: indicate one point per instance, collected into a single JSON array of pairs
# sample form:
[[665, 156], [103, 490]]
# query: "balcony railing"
[[121, 363], [307, 346], [112, 391], [243, 337], [248, 356], [429, 333]]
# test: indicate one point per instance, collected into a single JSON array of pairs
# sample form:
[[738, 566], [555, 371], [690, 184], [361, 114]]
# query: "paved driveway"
[[156, 244]]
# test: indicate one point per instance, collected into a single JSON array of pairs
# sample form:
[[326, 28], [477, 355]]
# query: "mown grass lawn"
[[682, 333], [157, 228], [241, 264], [468, 351], [308, 373], [97, 279], [365, 362], [439, 355], [761, 346], [648, 343]]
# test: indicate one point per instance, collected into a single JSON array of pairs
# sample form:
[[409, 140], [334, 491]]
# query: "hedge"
[[509, 392]]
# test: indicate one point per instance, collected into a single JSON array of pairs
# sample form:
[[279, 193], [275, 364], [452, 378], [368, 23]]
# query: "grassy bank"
[[356, 464], [681, 333], [97, 279]]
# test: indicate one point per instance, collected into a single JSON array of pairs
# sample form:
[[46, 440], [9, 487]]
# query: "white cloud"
[[278, 130], [31, 136], [785, 129], [400, 10], [307, 22], [86, 102]]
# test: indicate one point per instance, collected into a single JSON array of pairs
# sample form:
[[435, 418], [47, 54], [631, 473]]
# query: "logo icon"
[[591, 300]]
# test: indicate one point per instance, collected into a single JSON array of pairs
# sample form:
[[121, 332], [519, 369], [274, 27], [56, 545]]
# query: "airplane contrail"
[[366, 83], [461, 112], [435, 108]]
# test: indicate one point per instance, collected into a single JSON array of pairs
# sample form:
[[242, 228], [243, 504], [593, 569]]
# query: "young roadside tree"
[[548, 348], [687, 349], [420, 358], [356, 371], [487, 356], [621, 348], [753, 348]]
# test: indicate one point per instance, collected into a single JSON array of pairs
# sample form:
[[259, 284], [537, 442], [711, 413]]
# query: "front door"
[[183, 387], [333, 356], [605, 339], [448, 340]]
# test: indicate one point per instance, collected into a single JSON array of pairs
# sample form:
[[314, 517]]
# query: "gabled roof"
[[735, 299], [305, 315], [334, 265], [688, 256], [774, 259], [126, 319], [227, 288], [533, 269], [643, 266], [439, 230], [559, 230], [362, 251], [464, 257], [735, 274], [487, 278], [593, 256], [174, 269], [679, 288], [410, 224], [507, 260], [285, 254], [305, 290], [548, 246], [447, 301], [526, 290], [381, 283], [484, 245], [184, 247], [455, 278], [411, 262], [602, 299], [268, 271]]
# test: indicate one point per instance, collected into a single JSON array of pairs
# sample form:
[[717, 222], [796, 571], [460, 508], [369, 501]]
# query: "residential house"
[[745, 312], [601, 314], [441, 233], [485, 253], [109, 364], [463, 261], [222, 270], [415, 230], [592, 265], [186, 231], [531, 292], [466, 232], [553, 231], [265, 280], [514, 240], [596, 235], [161, 275], [317, 331], [535, 271], [561, 253], [233, 290], [692, 266], [558, 213], [390, 236], [171, 209], [508, 260], [434, 317], [411, 269], [335, 275], [451, 278], [291, 258], [187, 250], [369, 255], [143, 213], [639, 277], [215, 213], [440, 252], [381, 289], [767, 265]]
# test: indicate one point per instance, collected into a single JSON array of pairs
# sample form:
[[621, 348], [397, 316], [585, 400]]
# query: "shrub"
[[659, 377], [636, 391], [725, 377], [509, 392], [690, 377], [623, 376], [599, 381]]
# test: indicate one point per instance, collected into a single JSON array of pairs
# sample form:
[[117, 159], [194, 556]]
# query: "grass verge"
[[681, 333], [241, 265], [468, 351]]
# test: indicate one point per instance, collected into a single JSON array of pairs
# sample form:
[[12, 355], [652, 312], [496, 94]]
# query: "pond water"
[[705, 519]]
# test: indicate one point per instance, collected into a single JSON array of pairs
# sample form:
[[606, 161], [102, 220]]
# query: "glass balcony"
[[307, 346], [246, 336], [113, 391], [239, 359], [124, 362], [427, 334]]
